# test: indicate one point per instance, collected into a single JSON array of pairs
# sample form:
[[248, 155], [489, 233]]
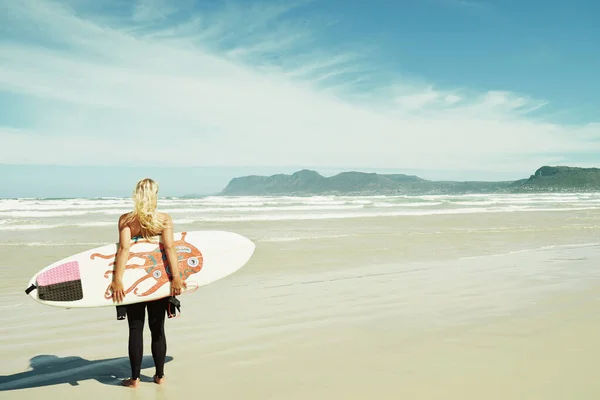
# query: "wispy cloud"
[[244, 84]]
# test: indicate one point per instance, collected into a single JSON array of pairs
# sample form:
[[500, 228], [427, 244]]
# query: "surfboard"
[[82, 280]]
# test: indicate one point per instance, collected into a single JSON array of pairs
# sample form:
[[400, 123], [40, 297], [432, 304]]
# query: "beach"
[[423, 297]]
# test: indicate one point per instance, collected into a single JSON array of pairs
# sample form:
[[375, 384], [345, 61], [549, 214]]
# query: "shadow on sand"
[[52, 370]]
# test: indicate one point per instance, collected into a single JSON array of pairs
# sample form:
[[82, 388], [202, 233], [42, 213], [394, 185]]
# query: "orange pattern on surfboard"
[[154, 264]]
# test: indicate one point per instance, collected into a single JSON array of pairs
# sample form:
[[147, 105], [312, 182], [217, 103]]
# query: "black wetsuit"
[[136, 314]]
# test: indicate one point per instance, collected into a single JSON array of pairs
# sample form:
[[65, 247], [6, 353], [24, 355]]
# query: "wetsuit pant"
[[136, 314]]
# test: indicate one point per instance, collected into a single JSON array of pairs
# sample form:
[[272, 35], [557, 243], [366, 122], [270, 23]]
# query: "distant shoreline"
[[306, 183], [553, 179]]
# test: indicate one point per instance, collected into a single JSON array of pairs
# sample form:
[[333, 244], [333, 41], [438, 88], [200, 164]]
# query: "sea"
[[39, 213]]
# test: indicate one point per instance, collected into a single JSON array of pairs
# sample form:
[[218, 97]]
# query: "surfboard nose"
[[223, 253], [238, 247], [246, 246]]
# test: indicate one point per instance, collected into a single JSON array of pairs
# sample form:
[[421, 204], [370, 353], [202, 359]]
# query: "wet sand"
[[501, 306]]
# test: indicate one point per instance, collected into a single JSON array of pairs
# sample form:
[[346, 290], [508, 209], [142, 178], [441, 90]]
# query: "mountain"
[[563, 178], [308, 182]]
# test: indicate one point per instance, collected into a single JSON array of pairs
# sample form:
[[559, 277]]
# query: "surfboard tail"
[[61, 283]]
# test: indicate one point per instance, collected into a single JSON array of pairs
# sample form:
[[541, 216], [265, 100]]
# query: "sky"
[[201, 91]]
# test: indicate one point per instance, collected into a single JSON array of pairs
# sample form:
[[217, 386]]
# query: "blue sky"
[[446, 89]]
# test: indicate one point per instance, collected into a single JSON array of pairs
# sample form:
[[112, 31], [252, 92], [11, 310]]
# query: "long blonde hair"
[[145, 199]]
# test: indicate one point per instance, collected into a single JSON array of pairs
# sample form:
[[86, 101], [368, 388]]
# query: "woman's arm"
[[121, 260], [171, 253]]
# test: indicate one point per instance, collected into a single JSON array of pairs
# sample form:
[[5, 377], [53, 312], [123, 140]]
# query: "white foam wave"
[[98, 223], [475, 203], [311, 216], [73, 213], [41, 214], [260, 201], [319, 216], [524, 201], [49, 205], [51, 244], [408, 204], [184, 221], [26, 227], [262, 209], [34, 214]]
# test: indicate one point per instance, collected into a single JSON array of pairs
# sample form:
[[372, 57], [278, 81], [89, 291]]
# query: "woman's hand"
[[116, 286], [177, 286], [117, 290]]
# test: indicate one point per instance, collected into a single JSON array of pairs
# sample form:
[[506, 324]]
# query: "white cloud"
[[244, 85]]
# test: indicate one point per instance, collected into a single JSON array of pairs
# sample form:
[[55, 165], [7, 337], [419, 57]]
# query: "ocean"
[[425, 297], [36, 214]]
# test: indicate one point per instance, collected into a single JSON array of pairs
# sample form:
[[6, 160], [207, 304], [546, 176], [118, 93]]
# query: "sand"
[[495, 306]]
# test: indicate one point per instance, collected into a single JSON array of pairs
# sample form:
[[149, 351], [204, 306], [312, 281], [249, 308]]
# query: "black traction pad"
[[65, 291]]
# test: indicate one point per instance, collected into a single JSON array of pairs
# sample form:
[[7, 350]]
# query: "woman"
[[145, 221]]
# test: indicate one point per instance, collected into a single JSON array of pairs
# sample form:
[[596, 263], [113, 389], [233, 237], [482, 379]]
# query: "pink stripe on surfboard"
[[63, 273]]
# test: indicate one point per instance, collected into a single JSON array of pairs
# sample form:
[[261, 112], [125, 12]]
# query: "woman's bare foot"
[[132, 383], [158, 380]]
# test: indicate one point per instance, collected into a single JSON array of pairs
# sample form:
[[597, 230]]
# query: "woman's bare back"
[[136, 229]]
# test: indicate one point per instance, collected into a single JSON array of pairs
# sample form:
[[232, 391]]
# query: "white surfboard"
[[82, 280]]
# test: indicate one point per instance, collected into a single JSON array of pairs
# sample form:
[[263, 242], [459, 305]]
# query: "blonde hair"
[[145, 198]]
